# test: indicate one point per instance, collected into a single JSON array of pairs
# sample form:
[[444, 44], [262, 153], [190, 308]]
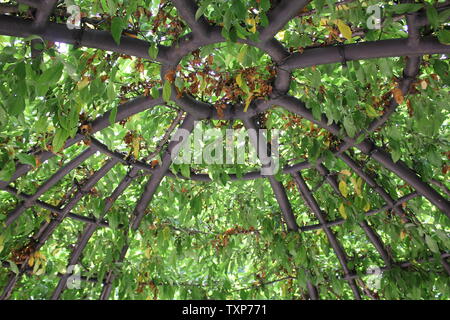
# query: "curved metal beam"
[[124, 111], [364, 50], [306, 194]]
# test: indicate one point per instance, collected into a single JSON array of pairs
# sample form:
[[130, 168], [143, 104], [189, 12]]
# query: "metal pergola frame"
[[203, 34]]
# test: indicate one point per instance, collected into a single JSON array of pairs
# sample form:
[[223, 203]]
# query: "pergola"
[[203, 33]]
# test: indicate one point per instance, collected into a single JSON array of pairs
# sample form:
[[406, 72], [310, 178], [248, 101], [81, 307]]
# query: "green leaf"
[[242, 83], [26, 159], [360, 75], [227, 20], [343, 188], [111, 7], [167, 91], [113, 115], [444, 238], [431, 244], [16, 105], [232, 34], [357, 184], [83, 83], [441, 68], [196, 205], [343, 211], [200, 12], [179, 83], [111, 92], [371, 112], [19, 70], [242, 54], [395, 150], [52, 75], [385, 67], [113, 220], [406, 7], [155, 93], [59, 139], [444, 36], [161, 241], [224, 178], [153, 51], [185, 170], [349, 126], [40, 126], [239, 9], [444, 16], [117, 26], [314, 151], [7, 171], [265, 4], [344, 29], [13, 267], [248, 100], [360, 139], [23, 7], [2, 242], [432, 15], [98, 207]]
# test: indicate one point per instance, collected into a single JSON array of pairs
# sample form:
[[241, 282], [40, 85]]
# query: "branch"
[[313, 11], [124, 111], [44, 9], [364, 50], [367, 214], [441, 186], [376, 187], [54, 179], [367, 291], [8, 8], [409, 74], [149, 191], [282, 83], [280, 193], [52, 208], [187, 10], [262, 284], [31, 3], [160, 171], [368, 147], [371, 234], [311, 202], [405, 173], [280, 15], [166, 136], [47, 228], [17, 27], [90, 229], [122, 158]]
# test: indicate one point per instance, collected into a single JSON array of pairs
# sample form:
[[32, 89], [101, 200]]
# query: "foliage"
[[224, 239]]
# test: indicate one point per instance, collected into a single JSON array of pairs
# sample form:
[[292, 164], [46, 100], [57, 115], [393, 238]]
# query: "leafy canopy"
[[224, 239]]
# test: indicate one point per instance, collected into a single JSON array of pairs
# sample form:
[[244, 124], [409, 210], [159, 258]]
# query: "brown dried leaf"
[[398, 95], [170, 76]]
